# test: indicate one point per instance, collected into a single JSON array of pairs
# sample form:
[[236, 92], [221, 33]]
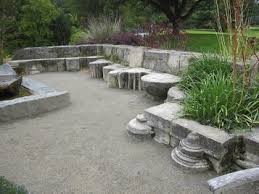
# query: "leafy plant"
[[79, 36], [7, 187], [214, 101], [200, 68]]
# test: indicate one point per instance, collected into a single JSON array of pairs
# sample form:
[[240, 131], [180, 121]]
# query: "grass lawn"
[[206, 40]]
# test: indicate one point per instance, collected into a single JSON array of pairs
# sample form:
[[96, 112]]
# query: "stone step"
[[174, 94], [138, 129]]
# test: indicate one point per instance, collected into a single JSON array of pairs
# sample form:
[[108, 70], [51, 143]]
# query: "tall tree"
[[177, 11]]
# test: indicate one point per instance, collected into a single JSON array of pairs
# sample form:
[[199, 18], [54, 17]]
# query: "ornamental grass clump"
[[214, 101], [103, 28]]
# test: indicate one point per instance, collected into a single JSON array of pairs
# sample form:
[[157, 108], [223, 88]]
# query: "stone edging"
[[42, 100]]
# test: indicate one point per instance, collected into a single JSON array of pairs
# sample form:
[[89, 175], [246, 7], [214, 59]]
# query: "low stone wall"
[[43, 99], [166, 61]]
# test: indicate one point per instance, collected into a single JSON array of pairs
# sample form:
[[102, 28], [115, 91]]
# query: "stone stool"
[[110, 68], [96, 68], [157, 85]]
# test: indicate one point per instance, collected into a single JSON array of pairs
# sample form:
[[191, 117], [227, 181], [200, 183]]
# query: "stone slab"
[[161, 116], [7, 73], [42, 100], [175, 95], [110, 68]]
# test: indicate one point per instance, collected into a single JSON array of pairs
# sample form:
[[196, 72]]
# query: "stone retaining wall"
[[166, 61]]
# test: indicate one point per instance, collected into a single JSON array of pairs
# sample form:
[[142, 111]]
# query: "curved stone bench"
[[96, 68], [110, 68], [157, 84], [53, 64], [129, 78]]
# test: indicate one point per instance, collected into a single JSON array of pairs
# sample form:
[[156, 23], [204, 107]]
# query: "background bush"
[[7, 187]]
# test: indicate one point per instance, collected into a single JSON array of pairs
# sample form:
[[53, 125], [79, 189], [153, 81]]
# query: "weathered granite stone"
[[113, 78], [72, 64], [156, 60], [233, 180], [96, 67], [161, 116], [141, 118], [189, 154], [7, 73], [131, 78], [161, 136], [110, 68], [174, 94], [43, 99], [139, 128], [251, 147], [158, 84], [10, 83], [218, 145], [178, 61], [135, 57]]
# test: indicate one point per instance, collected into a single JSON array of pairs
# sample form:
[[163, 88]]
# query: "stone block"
[[161, 116], [110, 68], [174, 94], [72, 64], [135, 57]]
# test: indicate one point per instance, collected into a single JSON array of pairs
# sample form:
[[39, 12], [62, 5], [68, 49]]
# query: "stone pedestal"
[[96, 68], [139, 128], [189, 154]]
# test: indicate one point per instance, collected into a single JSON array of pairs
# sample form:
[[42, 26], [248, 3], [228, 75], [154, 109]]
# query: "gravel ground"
[[84, 148]]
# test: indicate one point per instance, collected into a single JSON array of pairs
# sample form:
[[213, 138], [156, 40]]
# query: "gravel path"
[[84, 148]]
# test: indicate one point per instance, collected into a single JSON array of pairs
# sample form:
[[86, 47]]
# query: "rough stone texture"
[[158, 84], [162, 137], [10, 83], [43, 65], [131, 78], [161, 116], [137, 128], [96, 67], [79, 149], [113, 78], [84, 61], [72, 64], [189, 155], [7, 73], [175, 95], [178, 61], [251, 143], [217, 144], [233, 180], [43, 99], [110, 68], [156, 60], [136, 56]]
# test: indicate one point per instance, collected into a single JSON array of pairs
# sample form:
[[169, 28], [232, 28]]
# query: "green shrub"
[[6, 187], [102, 28], [215, 102], [79, 36], [200, 68]]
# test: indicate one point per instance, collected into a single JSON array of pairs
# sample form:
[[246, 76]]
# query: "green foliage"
[[6, 187], [212, 98], [36, 18], [62, 28], [103, 27], [79, 36], [200, 68]]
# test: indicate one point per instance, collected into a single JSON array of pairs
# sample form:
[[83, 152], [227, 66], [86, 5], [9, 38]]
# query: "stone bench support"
[[96, 68]]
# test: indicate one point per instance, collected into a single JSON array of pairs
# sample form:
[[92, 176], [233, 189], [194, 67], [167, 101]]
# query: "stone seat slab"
[[96, 67], [157, 84], [110, 68], [161, 116]]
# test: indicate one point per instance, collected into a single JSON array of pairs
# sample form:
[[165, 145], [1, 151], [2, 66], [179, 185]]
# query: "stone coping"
[[42, 100]]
